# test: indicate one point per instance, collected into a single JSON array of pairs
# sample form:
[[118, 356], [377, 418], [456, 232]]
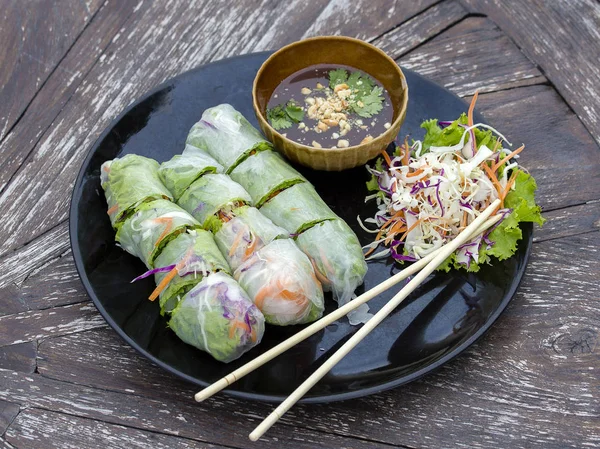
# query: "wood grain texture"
[[5, 444], [208, 423], [61, 83], [559, 152], [39, 429], [19, 357], [34, 37], [35, 325], [376, 17], [563, 37], [570, 221], [506, 385], [415, 31], [473, 55], [8, 412]]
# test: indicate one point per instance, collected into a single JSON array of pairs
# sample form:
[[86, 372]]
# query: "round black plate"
[[436, 323]]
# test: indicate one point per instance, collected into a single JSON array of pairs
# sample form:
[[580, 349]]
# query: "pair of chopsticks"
[[424, 267]]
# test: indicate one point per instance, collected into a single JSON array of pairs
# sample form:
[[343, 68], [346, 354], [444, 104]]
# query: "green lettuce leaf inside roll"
[[217, 316], [193, 254], [211, 194], [152, 227], [128, 182], [227, 136], [298, 208], [182, 170], [281, 281], [264, 174], [245, 233]]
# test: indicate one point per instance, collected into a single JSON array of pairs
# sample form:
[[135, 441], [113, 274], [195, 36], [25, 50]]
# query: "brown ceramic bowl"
[[330, 50]]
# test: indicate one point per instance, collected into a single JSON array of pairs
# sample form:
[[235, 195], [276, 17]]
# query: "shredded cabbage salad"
[[428, 192]]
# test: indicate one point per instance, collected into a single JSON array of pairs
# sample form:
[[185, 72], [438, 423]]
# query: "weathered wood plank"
[[513, 371], [207, 423], [35, 325], [473, 55], [376, 17], [34, 40], [564, 39], [8, 412], [20, 357], [37, 429], [415, 31], [62, 82], [570, 221], [54, 284], [17, 265], [114, 82], [5, 444], [559, 152]]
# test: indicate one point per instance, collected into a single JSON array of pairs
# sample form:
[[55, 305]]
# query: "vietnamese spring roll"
[[151, 227], [247, 232], [337, 257], [281, 281], [297, 208], [227, 136], [183, 263], [264, 175], [128, 182], [182, 170], [211, 194], [218, 317]]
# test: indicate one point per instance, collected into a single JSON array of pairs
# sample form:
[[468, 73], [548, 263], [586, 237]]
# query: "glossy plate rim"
[[334, 397]]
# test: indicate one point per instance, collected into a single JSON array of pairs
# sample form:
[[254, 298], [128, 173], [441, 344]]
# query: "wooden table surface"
[[68, 67]]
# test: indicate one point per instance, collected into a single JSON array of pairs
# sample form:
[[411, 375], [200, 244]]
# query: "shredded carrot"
[[106, 168], [387, 158], [507, 158], [415, 173], [414, 225], [493, 178], [497, 144], [113, 209], [393, 218], [236, 242], [509, 184], [472, 108], [406, 156], [463, 222], [294, 208], [169, 225], [163, 284], [250, 248], [237, 324]]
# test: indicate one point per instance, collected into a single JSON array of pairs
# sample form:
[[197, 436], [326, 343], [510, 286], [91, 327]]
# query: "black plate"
[[436, 323]]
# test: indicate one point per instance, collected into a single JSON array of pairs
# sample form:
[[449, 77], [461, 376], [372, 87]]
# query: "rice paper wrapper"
[[182, 170], [195, 255], [227, 136], [297, 208], [211, 194], [247, 232], [128, 182], [152, 227], [340, 265], [281, 281], [264, 174], [218, 317]]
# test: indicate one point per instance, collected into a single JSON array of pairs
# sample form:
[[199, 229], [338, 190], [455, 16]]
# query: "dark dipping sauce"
[[323, 130]]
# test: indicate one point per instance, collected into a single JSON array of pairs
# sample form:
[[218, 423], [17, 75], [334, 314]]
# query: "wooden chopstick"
[[439, 258], [315, 327]]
